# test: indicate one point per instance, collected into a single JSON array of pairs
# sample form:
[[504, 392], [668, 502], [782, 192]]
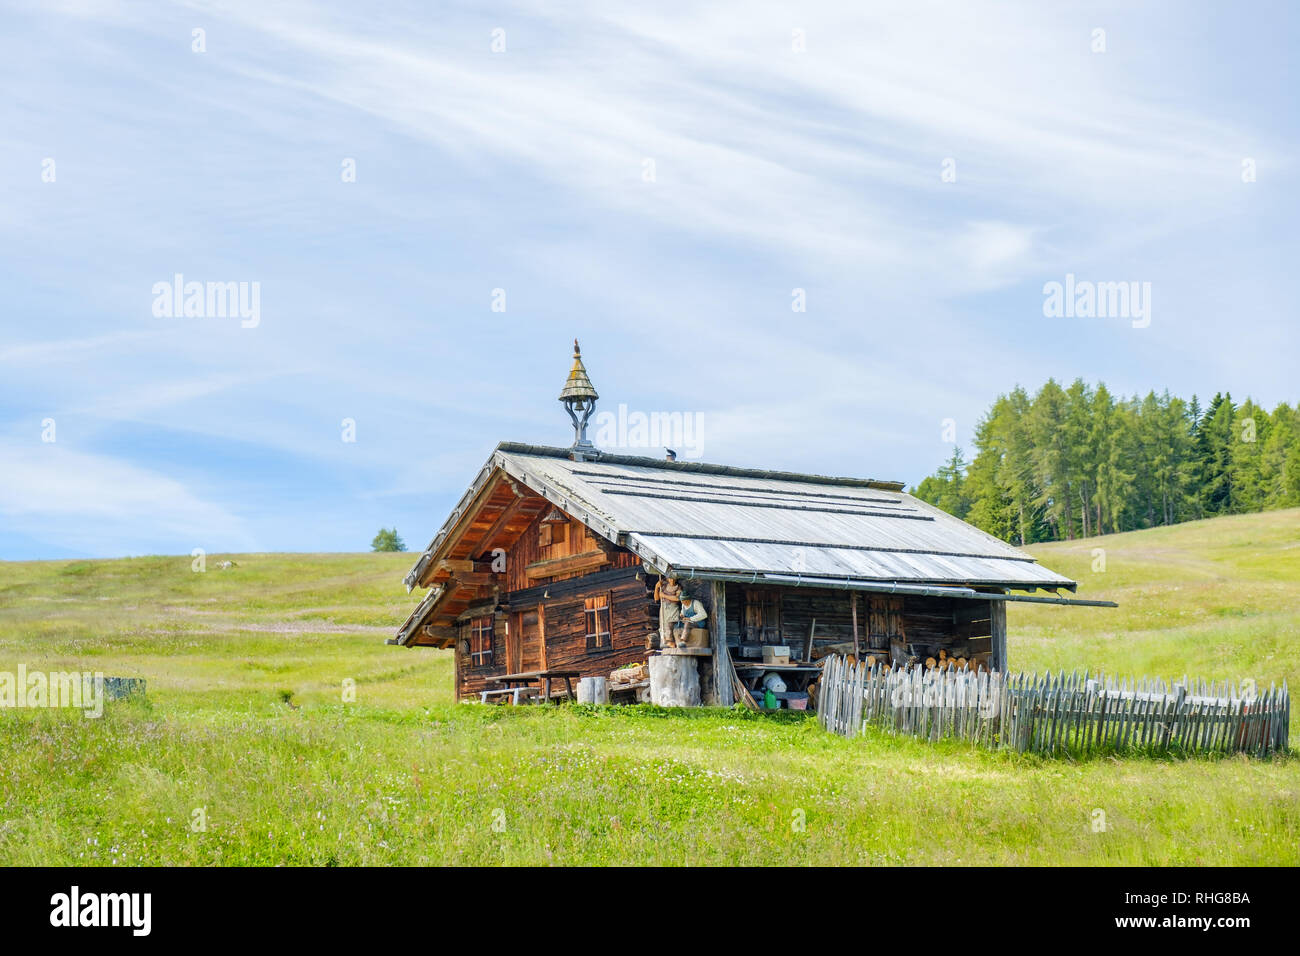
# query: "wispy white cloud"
[[774, 169], [823, 155], [56, 351]]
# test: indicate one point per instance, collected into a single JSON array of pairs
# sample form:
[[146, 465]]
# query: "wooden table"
[[542, 678]]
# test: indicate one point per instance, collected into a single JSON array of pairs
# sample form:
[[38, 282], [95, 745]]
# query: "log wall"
[[577, 540], [556, 609], [561, 619], [471, 680]]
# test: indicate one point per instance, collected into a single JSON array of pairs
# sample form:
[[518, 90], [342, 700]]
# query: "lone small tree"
[[388, 540]]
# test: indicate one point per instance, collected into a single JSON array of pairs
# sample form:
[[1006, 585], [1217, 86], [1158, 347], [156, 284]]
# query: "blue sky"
[[523, 169]]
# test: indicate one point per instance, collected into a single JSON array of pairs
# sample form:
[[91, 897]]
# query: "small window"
[[481, 634], [550, 533], [598, 632]]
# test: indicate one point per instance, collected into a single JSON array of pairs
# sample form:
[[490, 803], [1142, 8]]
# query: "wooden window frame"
[[481, 657], [592, 618]]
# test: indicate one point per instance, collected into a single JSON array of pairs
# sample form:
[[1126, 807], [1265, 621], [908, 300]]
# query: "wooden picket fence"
[[1054, 714]]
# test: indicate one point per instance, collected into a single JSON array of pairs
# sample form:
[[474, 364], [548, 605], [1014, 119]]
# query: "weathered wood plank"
[[722, 670]]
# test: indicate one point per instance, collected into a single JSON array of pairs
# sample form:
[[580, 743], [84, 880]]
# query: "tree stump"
[[674, 681], [593, 690]]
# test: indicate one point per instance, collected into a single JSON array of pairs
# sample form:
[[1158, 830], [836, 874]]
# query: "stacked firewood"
[[944, 661], [630, 674]]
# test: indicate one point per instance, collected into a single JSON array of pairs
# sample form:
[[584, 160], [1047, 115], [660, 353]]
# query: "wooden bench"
[[514, 693], [630, 688]]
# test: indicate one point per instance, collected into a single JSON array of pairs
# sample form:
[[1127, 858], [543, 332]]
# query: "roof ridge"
[[699, 467]]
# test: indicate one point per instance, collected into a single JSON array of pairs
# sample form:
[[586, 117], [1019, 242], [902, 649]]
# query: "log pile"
[[631, 674], [943, 661], [947, 662], [929, 657]]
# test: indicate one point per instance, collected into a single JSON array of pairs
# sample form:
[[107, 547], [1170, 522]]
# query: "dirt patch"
[[312, 627], [275, 627]]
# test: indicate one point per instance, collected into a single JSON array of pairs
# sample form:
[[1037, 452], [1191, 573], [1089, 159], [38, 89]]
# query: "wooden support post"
[[541, 635], [721, 659], [513, 651], [853, 604], [998, 627]]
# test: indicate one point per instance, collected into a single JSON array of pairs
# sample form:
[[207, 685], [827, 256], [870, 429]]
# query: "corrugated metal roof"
[[682, 516]]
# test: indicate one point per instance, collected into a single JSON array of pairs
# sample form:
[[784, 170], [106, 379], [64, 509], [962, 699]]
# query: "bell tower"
[[579, 398]]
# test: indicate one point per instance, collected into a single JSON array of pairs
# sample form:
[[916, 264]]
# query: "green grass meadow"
[[245, 731]]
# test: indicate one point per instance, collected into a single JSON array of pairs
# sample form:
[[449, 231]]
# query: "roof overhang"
[[877, 587]]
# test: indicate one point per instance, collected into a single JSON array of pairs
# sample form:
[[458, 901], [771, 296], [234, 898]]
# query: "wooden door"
[[529, 641], [763, 615], [513, 655]]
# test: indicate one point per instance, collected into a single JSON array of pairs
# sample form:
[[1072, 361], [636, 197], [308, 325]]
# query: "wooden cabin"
[[550, 559]]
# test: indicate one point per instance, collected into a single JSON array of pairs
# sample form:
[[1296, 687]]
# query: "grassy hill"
[[1218, 598], [244, 720]]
